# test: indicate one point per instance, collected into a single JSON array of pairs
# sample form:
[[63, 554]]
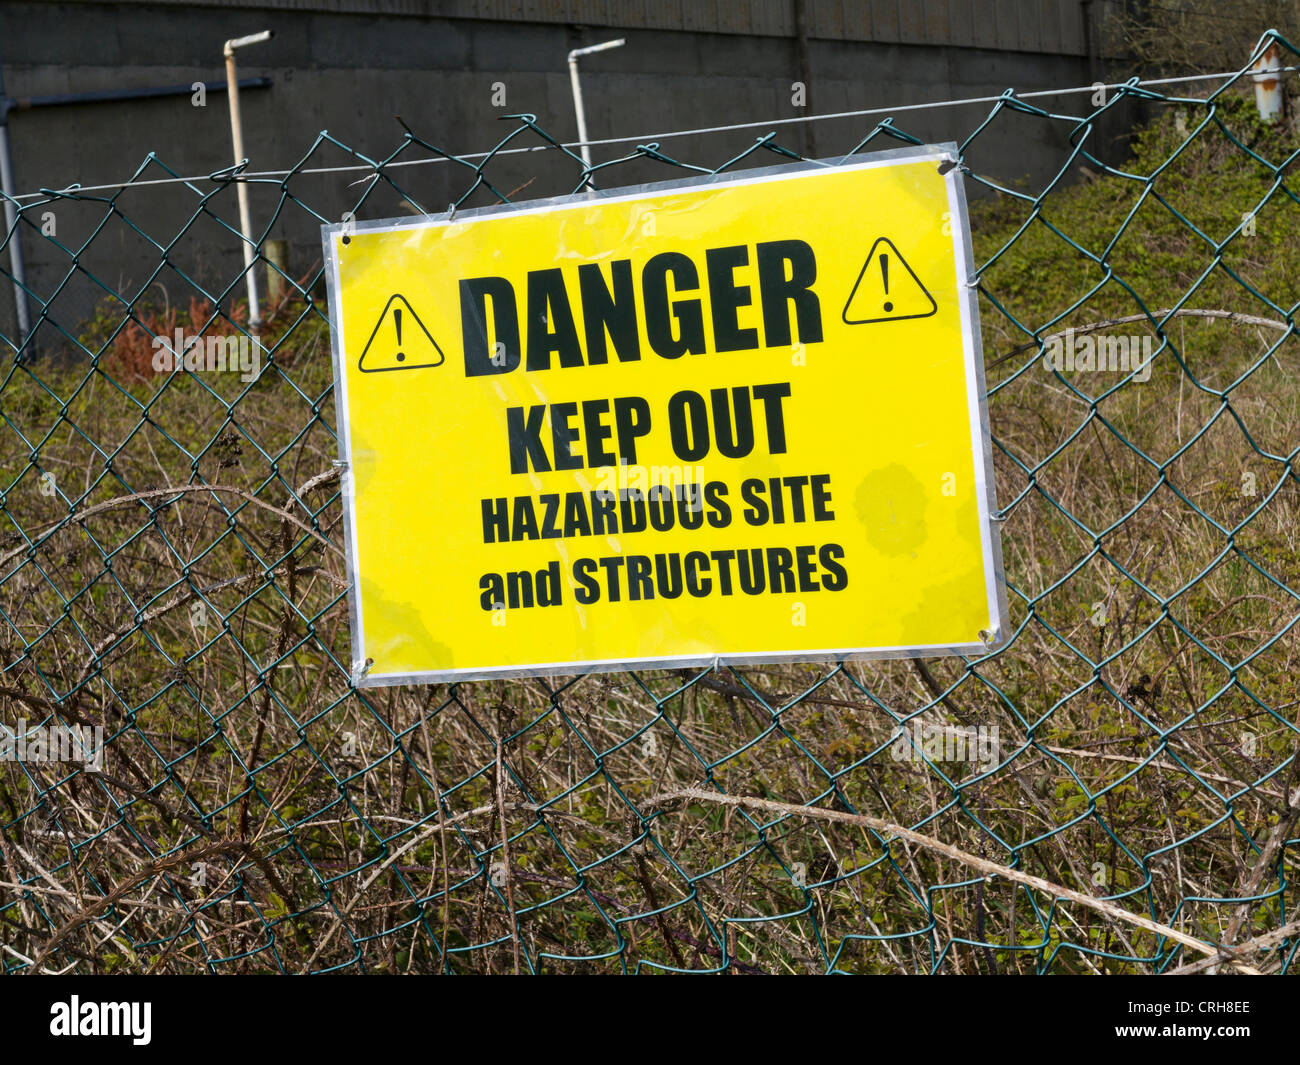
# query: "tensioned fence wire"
[[1114, 790]]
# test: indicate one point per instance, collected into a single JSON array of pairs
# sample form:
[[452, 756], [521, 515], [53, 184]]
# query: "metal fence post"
[[237, 135], [574, 81], [16, 263], [1268, 84]]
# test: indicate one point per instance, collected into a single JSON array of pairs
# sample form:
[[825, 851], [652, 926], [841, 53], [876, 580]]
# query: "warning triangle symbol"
[[887, 289], [399, 341]]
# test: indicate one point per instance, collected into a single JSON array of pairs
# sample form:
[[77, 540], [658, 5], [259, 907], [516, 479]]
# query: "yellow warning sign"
[[734, 419]]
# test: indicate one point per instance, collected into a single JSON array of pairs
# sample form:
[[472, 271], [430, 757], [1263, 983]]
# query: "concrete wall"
[[349, 67]]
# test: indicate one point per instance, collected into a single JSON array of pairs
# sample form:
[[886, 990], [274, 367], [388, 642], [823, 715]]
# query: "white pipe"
[[1268, 84], [574, 56], [252, 38], [241, 188], [16, 265]]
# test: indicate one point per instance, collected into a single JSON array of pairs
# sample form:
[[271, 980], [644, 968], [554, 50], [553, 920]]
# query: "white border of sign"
[[990, 539]]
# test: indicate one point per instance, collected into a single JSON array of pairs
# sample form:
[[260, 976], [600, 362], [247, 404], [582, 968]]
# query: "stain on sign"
[[733, 419]]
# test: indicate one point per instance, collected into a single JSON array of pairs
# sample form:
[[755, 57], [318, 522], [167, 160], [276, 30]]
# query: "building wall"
[[1052, 27], [349, 67]]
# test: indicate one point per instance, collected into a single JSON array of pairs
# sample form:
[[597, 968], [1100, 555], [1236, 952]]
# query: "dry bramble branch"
[[988, 868]]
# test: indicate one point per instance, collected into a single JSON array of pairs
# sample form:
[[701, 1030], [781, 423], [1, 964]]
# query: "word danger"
[[614, 308], [670, 574]]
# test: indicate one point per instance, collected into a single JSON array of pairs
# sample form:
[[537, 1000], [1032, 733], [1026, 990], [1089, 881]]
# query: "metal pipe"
[[28, 103], [241, 188], [1268, 83], [574, 56], [17, 268]]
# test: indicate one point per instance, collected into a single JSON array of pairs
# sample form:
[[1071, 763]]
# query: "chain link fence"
[[191, 784]]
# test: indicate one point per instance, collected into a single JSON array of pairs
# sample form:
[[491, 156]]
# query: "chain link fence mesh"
[[172, 572]]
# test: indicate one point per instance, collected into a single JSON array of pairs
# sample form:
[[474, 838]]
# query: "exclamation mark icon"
[[877, 296], [405, 344]]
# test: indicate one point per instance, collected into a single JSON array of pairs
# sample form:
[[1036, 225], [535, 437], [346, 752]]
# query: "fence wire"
[[1116, 790]]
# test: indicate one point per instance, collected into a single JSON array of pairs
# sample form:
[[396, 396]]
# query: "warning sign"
[[733, 419]]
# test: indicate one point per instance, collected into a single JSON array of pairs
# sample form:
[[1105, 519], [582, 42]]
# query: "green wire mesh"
[[172, 568]]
